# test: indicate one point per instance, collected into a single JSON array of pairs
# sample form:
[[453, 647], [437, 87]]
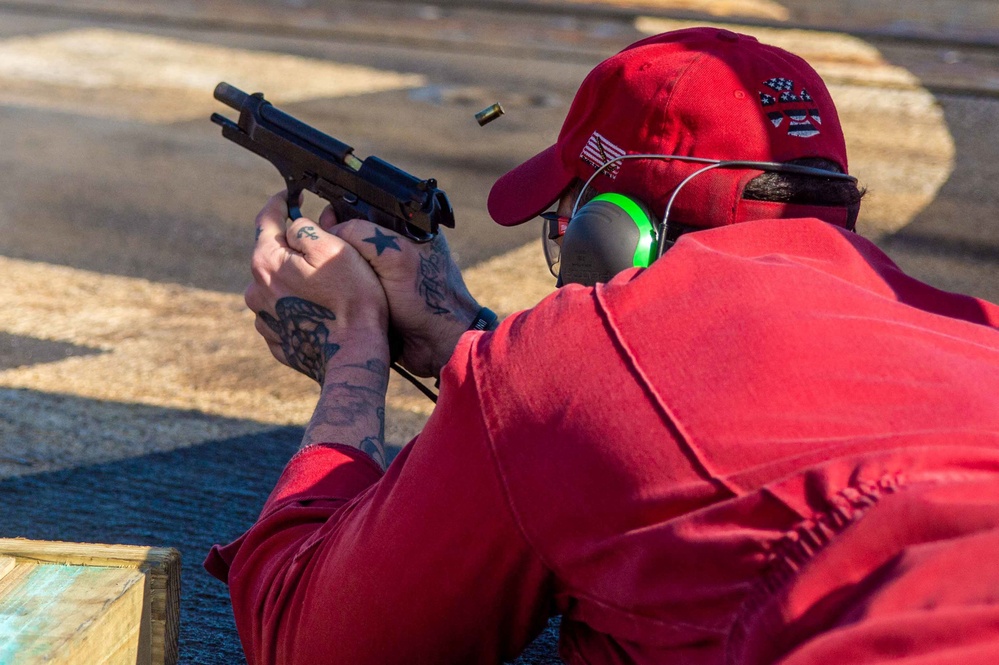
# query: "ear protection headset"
[[613, 232]]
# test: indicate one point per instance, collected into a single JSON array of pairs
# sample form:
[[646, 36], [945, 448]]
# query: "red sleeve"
[[424, 564]]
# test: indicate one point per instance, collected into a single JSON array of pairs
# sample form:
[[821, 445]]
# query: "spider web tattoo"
[[305, 339]]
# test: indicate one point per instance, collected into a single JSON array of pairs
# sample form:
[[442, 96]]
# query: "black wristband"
[[484, 319]]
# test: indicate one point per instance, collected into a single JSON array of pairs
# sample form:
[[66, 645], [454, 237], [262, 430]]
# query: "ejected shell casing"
[[353, 162], [489, 114]]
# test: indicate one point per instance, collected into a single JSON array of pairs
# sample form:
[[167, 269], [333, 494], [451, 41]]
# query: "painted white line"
[[885, 113], [110, 73]]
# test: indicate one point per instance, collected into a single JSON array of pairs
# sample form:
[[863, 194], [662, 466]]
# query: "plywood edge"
[[7, 564], [89, 554]]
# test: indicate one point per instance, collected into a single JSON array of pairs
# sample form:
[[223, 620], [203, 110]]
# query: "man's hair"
[[806, 189]]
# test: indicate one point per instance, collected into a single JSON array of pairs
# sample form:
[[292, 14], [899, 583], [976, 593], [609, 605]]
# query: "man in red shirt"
[[769, 446]]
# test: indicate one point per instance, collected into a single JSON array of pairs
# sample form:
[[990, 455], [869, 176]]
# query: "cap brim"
[[529, 189]]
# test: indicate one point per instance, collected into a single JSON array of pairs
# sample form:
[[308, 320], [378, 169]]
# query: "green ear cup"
[[609, 234], [645, 250]]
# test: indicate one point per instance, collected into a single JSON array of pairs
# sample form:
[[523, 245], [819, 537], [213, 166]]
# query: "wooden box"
[[76, 603]]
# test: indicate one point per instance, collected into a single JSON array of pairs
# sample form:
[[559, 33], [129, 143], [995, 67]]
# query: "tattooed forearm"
[[377, 367], [349, 404], [305, 337], [352, 412], [375, 445]]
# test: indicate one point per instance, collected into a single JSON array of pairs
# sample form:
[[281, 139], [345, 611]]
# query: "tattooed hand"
[[429, 305], [322, 311], [313, 293], [305, 337]]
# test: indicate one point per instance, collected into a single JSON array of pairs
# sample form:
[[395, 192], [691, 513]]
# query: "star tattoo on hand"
[[383, 241]]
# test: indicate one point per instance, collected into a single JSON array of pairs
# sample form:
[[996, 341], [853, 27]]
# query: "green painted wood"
[[45, 608]]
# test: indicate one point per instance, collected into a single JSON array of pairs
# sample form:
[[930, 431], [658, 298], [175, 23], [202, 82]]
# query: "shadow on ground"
[[189, 499]]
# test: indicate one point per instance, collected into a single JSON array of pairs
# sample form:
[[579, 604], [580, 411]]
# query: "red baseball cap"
[[701, 92]]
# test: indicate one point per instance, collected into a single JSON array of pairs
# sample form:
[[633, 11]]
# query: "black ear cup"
[[609, 234]]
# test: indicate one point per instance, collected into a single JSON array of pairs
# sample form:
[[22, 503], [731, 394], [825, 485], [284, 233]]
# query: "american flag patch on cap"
[[598, 151]]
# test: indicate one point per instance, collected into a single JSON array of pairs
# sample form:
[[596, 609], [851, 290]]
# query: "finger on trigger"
[[270, 221]]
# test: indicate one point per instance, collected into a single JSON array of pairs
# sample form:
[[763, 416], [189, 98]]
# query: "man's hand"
[[322, 311], [312, 292], [429, 305]]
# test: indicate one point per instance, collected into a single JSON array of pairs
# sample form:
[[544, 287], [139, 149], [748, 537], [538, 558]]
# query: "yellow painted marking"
[[110, 73], [885, 112]]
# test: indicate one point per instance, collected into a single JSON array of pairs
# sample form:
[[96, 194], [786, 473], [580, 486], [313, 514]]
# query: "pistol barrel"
[[231, 96]]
